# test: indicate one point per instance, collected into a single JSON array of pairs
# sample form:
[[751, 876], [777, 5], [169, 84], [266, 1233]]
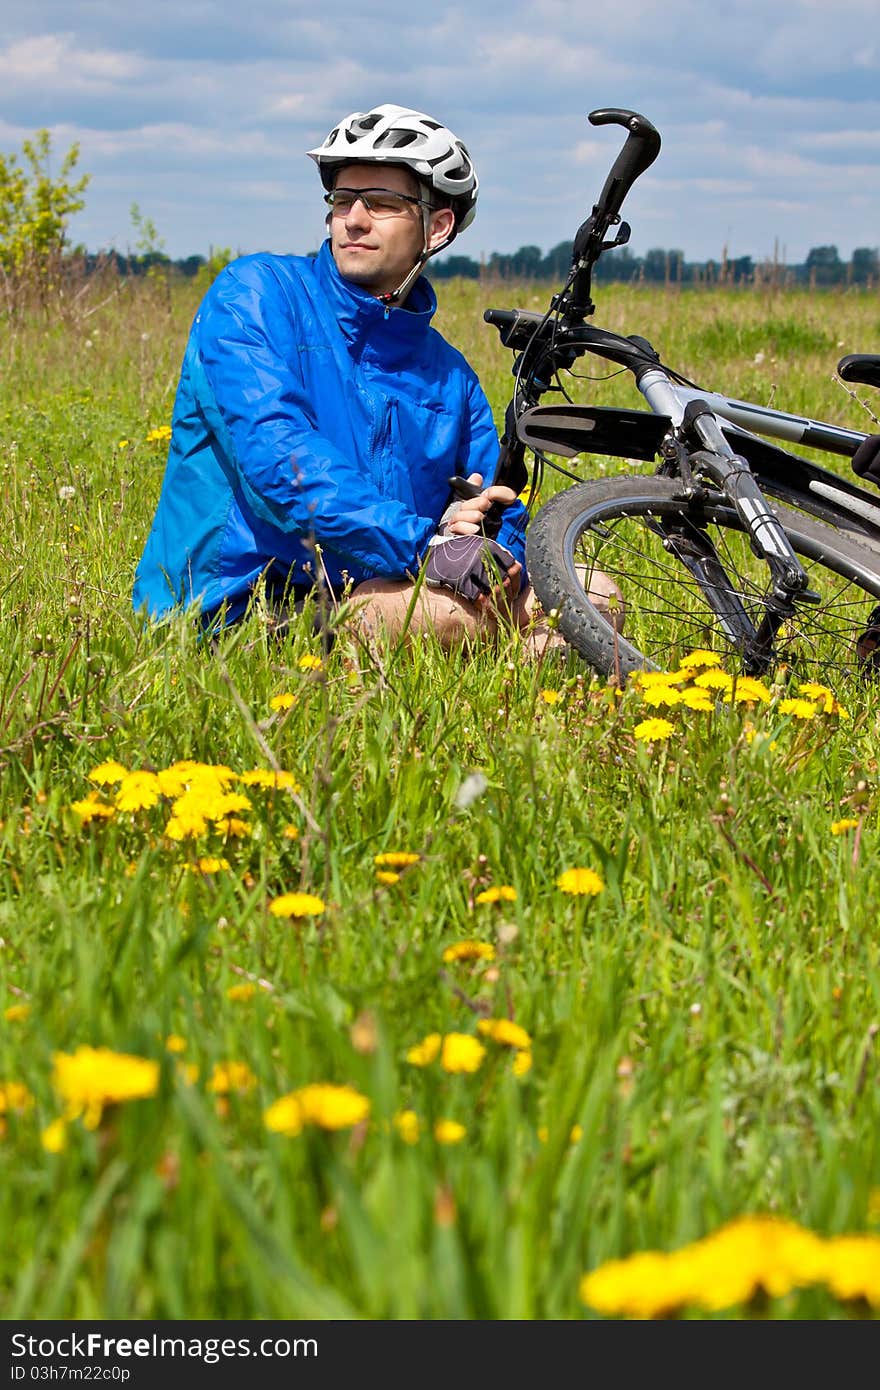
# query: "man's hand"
[[474, 567], [477, 515]]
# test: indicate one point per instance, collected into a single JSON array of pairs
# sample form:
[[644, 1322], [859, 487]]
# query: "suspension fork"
[[731, 474]]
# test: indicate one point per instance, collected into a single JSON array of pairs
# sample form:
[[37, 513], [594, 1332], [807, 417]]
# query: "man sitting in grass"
[[319, 418]]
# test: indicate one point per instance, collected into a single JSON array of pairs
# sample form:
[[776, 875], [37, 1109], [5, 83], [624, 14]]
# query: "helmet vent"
[[367, 123], [397, 139]]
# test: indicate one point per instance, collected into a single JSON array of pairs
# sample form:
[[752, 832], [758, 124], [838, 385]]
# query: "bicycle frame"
[[668, 398]]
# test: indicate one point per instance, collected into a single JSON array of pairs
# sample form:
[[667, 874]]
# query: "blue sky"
[[201, 113]]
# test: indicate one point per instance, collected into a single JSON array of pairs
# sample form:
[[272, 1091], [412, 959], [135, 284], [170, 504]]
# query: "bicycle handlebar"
[[640, 150]]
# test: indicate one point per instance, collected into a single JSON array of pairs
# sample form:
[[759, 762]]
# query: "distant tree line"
[[823, 266]]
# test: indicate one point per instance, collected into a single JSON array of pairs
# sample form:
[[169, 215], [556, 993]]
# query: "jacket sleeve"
[[292, 477]]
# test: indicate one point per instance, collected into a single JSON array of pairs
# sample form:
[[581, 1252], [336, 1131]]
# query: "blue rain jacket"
[[306, 409]]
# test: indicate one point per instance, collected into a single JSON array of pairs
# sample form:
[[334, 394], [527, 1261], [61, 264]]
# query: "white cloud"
[[770, 118], [55, 58]]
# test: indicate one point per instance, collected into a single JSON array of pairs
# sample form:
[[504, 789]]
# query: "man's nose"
[[358, 213]]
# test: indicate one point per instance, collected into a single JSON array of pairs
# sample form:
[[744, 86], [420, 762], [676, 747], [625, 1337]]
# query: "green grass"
[[708, 1021]]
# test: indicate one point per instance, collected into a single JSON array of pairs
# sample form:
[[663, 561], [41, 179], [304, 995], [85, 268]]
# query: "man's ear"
[[440, 227]]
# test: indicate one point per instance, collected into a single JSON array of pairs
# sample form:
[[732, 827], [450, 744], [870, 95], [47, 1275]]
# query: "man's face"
[[378, 253]]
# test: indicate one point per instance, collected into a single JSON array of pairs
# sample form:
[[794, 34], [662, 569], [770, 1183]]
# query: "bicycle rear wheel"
[[622, 526]]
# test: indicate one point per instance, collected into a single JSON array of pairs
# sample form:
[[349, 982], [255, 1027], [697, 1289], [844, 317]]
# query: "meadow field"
[[389, 984]]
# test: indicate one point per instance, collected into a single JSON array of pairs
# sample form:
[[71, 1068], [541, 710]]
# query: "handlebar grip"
[[641, 149]]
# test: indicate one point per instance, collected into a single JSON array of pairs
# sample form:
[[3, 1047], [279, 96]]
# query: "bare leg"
[[382, 607]]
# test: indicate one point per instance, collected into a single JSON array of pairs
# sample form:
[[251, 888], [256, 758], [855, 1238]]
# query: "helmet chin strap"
[[397, 296]]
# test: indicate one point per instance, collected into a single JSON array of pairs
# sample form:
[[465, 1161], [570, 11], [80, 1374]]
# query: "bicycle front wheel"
[[690, 578]]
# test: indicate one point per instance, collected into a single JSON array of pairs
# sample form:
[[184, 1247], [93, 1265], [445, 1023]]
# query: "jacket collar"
[[361, 316]]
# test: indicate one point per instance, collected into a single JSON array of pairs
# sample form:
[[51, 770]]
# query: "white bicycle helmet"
[[397, 135]]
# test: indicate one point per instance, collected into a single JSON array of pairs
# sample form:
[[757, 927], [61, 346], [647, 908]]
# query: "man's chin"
[[353, 268]]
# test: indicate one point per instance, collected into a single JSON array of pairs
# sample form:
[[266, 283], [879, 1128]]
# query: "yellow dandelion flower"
[[233, 828], [660, 695], [396, 859], [648, 680], [227, 805], [283, 701], [92, 1078], [799, 709], [408, 1126], [284, 1116], [695, 698], [172, 781], [653, 730], [469, 950], [853, 1268], [461, 1053], [108, 773], [323, 1105], [290, 832], [522, 1063], [310, 662], [580, 882], [231, 1076], [210, 777], [425, 1052], [123, 444], [297, 905], [449, 1132], [186, 822], [138, 791], [812, 690], [264, 777], [17, 1013], [92, 807], [208, 864], [729, 1267], [714, 680], [54, 1137], [747, 691], [159, 435], [175, 1044], [840, 827], [387, 876], [241, 993], [505, 1032], [14, 1096], [500, 893], [551, 697], [701, 657]]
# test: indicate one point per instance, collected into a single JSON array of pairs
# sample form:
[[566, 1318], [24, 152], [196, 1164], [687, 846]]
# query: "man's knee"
[[395, 608]]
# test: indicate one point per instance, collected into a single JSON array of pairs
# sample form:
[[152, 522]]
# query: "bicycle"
[[734, 544]]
